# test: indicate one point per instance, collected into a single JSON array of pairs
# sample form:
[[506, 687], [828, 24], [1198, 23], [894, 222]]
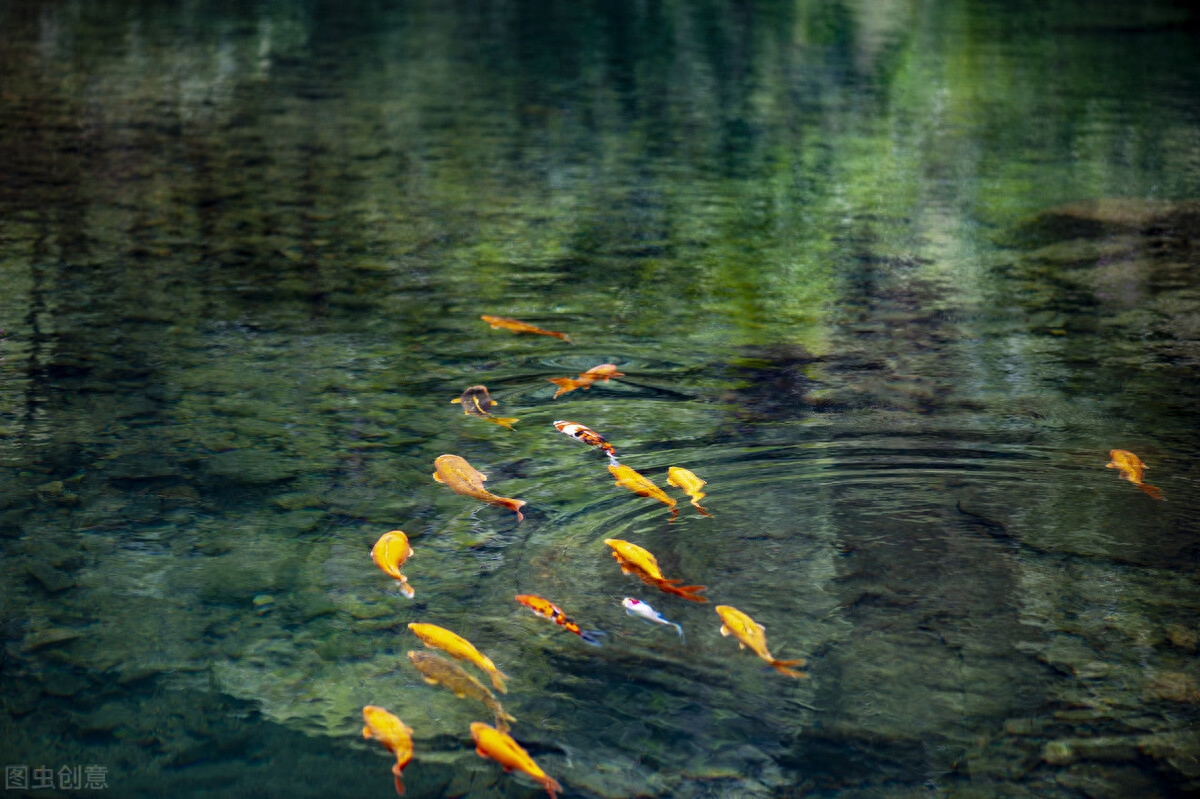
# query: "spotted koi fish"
[[587, 435], [477, 402], [548, 610]]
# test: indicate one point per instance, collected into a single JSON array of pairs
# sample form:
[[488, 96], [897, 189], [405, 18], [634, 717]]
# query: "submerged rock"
[[251, 466], [52, 579]]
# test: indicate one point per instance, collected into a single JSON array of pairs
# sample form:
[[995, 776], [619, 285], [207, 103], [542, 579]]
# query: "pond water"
[[893, 277]]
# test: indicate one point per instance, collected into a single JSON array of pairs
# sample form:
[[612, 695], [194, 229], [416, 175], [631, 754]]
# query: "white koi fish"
[[636, 607]]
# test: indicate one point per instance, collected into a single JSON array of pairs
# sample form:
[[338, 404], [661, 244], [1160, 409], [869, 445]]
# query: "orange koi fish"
[[477, 402], [690, 484], [548, 610], [567, 384], [466, 480], [749, 633], [1132, 469], [637, 561], [491, 743], [498, 322], [394, 734], [459, 648], [587, 435], [389, 554], [641, 485]]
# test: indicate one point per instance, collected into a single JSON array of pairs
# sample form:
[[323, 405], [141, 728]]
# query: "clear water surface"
[[893, 277]]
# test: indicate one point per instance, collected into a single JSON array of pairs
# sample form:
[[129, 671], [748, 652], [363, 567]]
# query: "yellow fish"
[[394, 734], [459, 648], [641, 485], [477, 402], [1132, 469], [635, 560], [498, 322], [494, 744], [749, 633], [389, 554], [690, 484], [567, 384], [437, 670], [467, 480]]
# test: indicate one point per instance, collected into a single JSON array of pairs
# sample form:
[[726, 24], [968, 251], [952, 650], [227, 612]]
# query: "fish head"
[[629, 603]]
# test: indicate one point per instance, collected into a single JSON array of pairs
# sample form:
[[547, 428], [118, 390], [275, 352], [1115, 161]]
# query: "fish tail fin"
[[674, 514], [703, 512], [397, 781], [404, 588], [551, 785], [515, 505], [1153, 491], [679, 629], [505, 421], [592, 637], [687, 592], [781, 666], [498, 678], [564, 384], [563, 336]]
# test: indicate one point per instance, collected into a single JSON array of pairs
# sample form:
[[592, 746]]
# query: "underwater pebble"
[[297, 501], [1174, 686], [53, 635], [263, 603], [1182, 637]]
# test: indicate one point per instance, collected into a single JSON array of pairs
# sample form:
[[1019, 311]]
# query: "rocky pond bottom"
[[986, 610]]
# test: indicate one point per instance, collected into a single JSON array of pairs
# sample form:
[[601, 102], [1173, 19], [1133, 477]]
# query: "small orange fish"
[[567, 384], [394, 734], [459, 648], [548, 610], [690, 484], [498, 322], [639, 484], [491, 743], [477, 402], [587, 435], [467, 480], [749, 633], [1132, 469], [389, 554], [637, 561]]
